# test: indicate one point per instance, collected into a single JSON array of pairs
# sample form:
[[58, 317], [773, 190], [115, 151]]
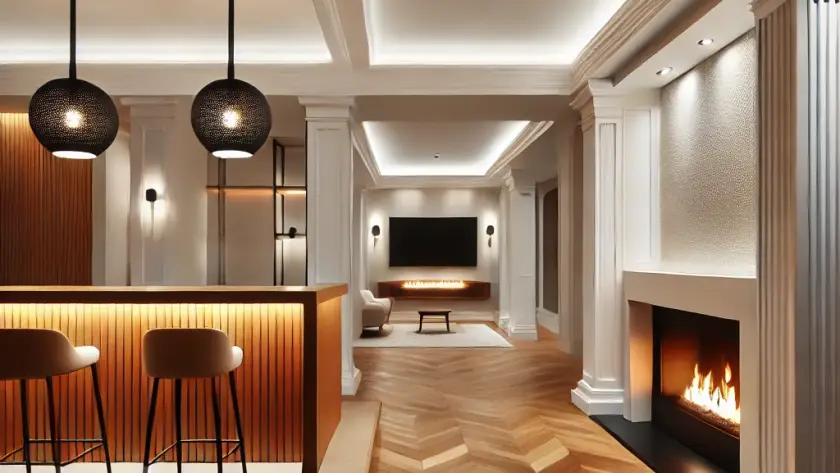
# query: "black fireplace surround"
[[681, 340]]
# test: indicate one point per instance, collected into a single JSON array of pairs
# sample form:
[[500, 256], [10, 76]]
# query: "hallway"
[[484, 411]]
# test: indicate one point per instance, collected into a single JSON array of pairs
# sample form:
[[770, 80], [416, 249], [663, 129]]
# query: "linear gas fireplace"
[[696, 383]]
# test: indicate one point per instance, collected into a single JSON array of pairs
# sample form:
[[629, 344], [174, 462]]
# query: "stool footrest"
[[99, 442], [167, 449]]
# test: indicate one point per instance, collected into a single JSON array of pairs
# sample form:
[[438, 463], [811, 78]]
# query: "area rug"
[[434, 335]]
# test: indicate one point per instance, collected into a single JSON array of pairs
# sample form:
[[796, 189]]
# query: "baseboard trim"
[[350, 384], [455, 316], [549, 320], [596, 402], [523, 332]]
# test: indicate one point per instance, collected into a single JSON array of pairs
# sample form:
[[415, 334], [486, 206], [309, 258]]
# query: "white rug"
[[435, 336]]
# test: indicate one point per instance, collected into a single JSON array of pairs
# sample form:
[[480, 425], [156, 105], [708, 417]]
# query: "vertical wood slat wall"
[[777, 237], [45, 210], [269, 380]]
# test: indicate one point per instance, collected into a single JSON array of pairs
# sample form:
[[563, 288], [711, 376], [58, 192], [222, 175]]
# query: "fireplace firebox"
[[696, 383]]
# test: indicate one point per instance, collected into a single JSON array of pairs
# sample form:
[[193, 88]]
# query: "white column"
[[329, 180], [167, 240], [601, 389], [503, 320], [521, 264], [111, 206]]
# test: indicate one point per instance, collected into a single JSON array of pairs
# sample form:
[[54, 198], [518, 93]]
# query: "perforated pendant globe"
[[231, 118], [73, 118]]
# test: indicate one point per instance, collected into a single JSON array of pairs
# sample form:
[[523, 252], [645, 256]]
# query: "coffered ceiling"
[[486, 32], [439, 148], [312, 47], [161, 31]]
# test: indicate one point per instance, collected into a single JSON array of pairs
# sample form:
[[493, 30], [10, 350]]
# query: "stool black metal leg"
[[217, 424], [56, 450], [234, 397], [100, 411], [150, 425], [447, 323], [178, 446], [25, 418]]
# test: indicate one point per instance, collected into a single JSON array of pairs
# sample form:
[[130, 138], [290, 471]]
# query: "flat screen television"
[[451, 241]]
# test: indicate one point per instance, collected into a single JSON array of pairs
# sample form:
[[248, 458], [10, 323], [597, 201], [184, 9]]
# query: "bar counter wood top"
[[171, 294], [289, 383]]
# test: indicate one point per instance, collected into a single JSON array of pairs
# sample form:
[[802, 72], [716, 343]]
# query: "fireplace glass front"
[[696, 383]]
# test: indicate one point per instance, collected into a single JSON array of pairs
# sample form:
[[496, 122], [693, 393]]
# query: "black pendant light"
[[73, 118], [230, 117]]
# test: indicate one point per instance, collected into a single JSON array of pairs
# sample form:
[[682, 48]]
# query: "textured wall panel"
[[708, 161], [45, 211], [270, 379]]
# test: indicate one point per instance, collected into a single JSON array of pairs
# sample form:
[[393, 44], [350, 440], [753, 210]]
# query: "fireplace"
[[696, 383]]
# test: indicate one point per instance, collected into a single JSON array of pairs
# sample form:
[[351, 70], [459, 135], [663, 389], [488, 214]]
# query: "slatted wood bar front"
[[291, 339]]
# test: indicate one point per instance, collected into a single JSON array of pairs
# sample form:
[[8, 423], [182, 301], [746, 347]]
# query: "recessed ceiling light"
[[665, 72], [437, 155], [705, 41]]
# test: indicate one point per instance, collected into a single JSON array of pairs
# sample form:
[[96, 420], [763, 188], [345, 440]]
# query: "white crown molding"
[[360, 142], [763, 8], [151, 107], [320, 108], [334, 34], [528, 135], [300, 80], [629, 20], [436, 182], [518, 179]]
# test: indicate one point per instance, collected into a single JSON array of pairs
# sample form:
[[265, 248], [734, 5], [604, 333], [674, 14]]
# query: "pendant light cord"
[[73, 39], [230, 38]]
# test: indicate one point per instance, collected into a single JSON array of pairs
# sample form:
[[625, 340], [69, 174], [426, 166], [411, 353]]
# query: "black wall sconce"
[[375, 231], [490, 231], [292, 232], [151, 196]]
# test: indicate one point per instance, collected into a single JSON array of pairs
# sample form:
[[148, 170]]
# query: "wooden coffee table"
[[433, 313]]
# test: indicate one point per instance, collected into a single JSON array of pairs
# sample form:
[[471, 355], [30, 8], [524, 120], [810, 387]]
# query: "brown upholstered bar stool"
[[27, 354], [184, 353]]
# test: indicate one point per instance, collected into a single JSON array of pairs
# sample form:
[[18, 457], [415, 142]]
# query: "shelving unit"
[[287, 194]]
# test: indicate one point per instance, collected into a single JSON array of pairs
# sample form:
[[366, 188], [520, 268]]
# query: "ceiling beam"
[[297, 80], [343, 25], [672, 31]]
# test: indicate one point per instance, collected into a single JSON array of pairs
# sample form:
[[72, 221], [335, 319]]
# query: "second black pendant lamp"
[[231, 117]]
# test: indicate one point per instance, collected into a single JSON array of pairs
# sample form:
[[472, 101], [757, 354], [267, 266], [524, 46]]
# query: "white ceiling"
[[467, 148], [483, 32], [161, 31], [726, 22]]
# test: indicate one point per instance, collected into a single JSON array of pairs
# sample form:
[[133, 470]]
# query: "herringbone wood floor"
[[484, 411]]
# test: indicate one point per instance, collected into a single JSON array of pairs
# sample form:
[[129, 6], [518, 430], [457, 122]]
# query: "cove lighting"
[[383, 154]]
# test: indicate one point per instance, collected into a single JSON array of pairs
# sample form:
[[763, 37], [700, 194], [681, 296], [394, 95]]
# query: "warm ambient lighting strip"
[[434, 285]]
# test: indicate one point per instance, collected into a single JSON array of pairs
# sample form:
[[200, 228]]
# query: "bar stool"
[[40, 353], [178, 354]]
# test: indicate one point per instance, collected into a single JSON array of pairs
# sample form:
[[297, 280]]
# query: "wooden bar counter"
[[289, 383]]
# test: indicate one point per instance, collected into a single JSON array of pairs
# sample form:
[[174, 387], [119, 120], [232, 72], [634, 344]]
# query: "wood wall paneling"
[[45, 210], [329, 372], [269, 380]]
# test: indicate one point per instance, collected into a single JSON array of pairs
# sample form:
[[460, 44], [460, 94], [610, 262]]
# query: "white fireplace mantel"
[[728, 296]]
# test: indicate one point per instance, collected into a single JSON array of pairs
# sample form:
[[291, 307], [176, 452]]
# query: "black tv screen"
[[433, 241]]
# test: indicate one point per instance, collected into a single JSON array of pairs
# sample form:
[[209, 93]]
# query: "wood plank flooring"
[[484, 411]]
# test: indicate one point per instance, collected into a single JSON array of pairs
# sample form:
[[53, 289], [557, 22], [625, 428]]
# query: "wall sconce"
[[375, 231], [290, 235], [292, 232], [151, 198], [490, 231]]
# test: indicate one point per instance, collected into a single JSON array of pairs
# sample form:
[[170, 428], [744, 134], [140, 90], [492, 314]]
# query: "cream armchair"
[[376, 311]]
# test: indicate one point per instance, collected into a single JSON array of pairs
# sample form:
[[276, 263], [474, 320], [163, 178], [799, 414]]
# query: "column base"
[[350, 383], [522, 332], [503, 321], [594, 401]]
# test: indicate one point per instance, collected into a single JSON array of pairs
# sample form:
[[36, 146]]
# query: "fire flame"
[[434, 285], [719, 400]]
